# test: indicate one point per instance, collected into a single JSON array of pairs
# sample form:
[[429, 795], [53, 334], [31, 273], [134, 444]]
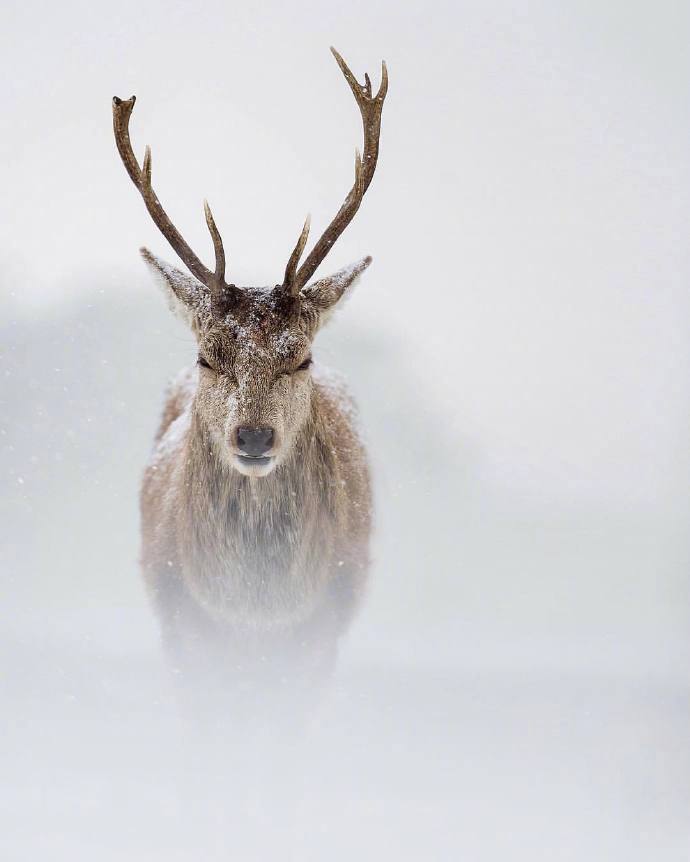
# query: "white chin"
[[255, 467]]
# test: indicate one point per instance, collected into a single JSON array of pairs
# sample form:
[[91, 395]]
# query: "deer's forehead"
[[248, 342]]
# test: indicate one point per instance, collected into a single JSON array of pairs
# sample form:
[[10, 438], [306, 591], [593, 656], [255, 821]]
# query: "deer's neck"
[[273, 514], [257, 549]]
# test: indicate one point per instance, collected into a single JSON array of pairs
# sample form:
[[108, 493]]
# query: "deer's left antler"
[[370, 107]]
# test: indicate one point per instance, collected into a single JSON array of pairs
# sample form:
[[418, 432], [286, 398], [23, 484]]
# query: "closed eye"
[[304, 365], [202, 362]]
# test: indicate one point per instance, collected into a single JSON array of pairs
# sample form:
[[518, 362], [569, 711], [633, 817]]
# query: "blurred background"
[[517, 683]]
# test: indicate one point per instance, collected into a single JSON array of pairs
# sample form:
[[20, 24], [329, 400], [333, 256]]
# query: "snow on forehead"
[[286, 343], [264, 323]]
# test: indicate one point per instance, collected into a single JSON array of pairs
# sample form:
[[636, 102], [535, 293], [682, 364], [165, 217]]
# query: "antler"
[[370, 107], [141, 177]]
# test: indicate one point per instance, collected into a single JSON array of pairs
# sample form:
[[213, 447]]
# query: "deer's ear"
[[324, 294], [185, 295]]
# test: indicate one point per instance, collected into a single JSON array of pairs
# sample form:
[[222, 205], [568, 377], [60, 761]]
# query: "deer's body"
[[256, 505], [262, 564]]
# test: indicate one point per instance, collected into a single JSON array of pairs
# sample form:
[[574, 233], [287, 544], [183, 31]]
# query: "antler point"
[[146, 168]]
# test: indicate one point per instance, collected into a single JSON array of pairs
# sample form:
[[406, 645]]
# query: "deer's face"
[[254, 381], [254, 390]]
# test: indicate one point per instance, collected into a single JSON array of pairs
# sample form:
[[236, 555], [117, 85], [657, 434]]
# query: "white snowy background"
[[517, 685]]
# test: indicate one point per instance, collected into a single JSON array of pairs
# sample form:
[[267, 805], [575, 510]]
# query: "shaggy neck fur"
[[260, 546]]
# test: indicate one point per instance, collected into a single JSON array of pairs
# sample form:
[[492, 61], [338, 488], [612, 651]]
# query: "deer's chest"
[[263, 565]]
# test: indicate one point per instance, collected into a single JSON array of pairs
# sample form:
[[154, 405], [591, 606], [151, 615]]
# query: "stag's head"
[[254, 391]]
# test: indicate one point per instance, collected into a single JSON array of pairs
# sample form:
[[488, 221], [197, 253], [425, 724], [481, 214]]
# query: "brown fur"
[[255, 569]]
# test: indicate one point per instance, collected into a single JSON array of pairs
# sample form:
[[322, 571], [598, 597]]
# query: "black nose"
[[254, 442]]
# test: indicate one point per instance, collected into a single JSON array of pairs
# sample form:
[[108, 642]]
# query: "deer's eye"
[[202, 362], [304, 365]]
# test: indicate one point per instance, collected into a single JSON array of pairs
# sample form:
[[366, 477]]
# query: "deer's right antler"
[[222, 294]]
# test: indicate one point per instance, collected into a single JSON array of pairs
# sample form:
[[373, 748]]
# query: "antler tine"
[[291, 268], [141, 177], [217, 245], [370, 108]]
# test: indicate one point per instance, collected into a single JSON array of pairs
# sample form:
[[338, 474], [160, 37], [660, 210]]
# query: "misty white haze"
[[516, 685]]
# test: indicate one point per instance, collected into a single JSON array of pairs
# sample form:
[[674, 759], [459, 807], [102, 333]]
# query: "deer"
[[256, 503]]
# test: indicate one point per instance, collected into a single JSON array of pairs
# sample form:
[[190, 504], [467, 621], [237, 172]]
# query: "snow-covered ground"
[[405, 763]]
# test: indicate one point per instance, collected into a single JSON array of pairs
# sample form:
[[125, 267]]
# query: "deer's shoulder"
[[172, 430], [333, 394], [178, 399]]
